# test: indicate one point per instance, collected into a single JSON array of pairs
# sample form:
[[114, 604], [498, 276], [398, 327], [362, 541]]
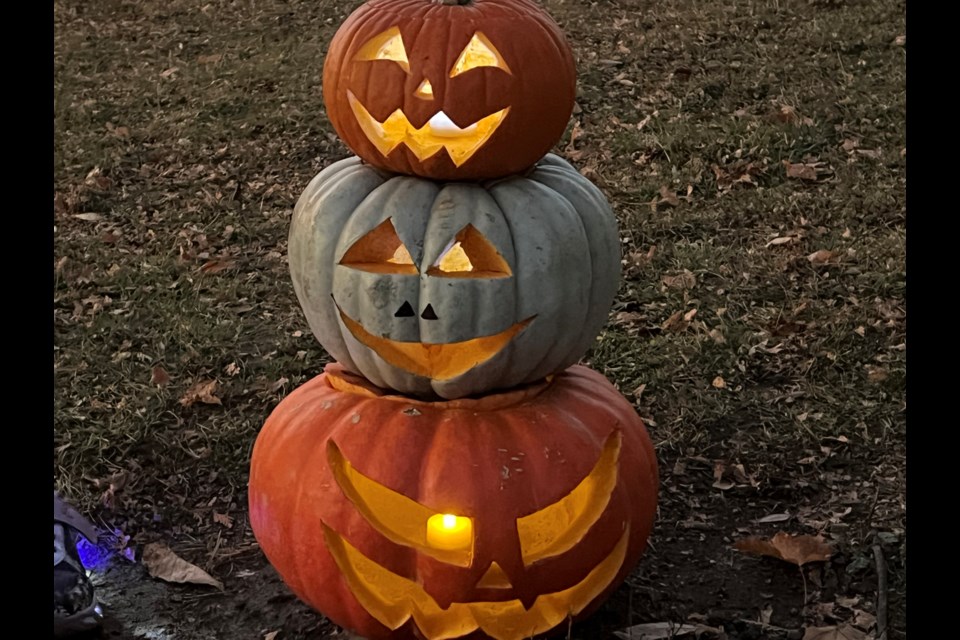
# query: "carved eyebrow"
[[559, 527], [398, 518]]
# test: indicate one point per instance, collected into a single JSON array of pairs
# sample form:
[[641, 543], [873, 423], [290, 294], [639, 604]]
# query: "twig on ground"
[[881, 592]]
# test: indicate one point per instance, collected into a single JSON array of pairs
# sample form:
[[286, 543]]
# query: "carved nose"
[[425, 90], [429, 313], [405, 311], [494, 578]]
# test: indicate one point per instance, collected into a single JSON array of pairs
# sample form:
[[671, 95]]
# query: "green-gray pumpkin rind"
[[552, 226]]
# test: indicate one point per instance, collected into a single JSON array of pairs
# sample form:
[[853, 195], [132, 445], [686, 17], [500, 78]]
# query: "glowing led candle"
[[447, 531]]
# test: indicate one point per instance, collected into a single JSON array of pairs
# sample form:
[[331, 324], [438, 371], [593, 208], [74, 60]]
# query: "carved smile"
[[393, 599], [440, 132], [437, 361]]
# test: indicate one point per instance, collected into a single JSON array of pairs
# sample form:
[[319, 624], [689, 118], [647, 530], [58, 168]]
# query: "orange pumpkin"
[[449, 90], [500, 516]]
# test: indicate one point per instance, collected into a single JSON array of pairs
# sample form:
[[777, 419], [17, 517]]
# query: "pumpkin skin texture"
[[399, 72], [505, 461], [548, 264]]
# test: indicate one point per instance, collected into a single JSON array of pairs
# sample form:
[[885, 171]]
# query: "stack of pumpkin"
[[455, 472]]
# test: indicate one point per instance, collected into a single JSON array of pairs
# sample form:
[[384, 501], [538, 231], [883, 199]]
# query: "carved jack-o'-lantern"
[[449, 90], [454, 289], [504, 515]]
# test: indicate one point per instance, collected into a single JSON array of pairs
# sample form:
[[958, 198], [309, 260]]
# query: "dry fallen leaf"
[[224, 519], [271, 635], [668, 196], [217, 265], [788, 115], [161, 562], [781, 240], [766, 613], [159, 376], [684, 280], [774, 517], [823, 256], [798, 550], [679, 321], [114, 484], [211, 59], [738, 173], [628, 317], [570, 151], [202, 391], [641, 259], [719, 383], [800, 171], [840, 632], [863, 619], [88, 217], [876, 374]]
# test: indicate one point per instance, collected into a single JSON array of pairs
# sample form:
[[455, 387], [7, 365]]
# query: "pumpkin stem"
[[453, 2]]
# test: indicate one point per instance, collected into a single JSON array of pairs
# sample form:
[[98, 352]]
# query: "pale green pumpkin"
[[454, 289]]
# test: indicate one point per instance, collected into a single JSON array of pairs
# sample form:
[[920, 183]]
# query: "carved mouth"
[[442, 361], [393, 599], [440, 132]]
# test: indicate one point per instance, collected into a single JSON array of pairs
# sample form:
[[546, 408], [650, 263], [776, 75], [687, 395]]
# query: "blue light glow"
[[97, 557]]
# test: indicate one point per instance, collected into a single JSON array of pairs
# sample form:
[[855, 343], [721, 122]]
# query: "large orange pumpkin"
[[502, 516], [450, 90]]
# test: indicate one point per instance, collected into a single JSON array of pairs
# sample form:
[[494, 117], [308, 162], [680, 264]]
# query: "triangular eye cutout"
[[387, 45], [479, 52], [380, 251], [470, 255]]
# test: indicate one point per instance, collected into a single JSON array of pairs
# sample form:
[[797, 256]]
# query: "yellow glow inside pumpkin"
[[393, 599], [400, 519], [380, 251], [442, 361], [560, 526], [479, 52], [401, 256], [447, 531], [437, 133], [470, 255], [454, 260], [425, 90], [387, 45]]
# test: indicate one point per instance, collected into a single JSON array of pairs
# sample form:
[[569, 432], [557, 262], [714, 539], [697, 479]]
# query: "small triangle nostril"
[[429, 313], [405, 311]]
